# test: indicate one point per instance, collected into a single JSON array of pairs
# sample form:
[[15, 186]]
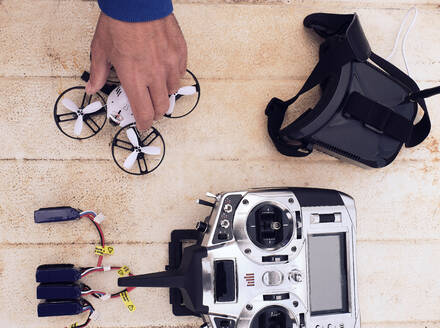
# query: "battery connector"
[[99, 218]]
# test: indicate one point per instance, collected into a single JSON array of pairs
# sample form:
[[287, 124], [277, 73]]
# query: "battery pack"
[[55, 273], [56, 214], [53, 309], [58, 291]]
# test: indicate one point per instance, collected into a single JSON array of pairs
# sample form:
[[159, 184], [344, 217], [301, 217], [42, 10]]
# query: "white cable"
[[92, 291], [88, 270], [405, 37], [85, 212]]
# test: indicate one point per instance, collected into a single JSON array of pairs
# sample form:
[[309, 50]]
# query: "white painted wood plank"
[[244, 41], [229, 123], [385, 270], [398, 203]]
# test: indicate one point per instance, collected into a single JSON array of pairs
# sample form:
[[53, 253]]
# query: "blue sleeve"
[[136, 10]]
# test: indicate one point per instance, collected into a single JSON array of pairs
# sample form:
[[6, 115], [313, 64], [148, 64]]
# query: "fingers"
[[180, 46], [173, 81], [183, 60], [140, 101], [177, 68], [99, 71], [183, 66], [99, 65], [160, 98]]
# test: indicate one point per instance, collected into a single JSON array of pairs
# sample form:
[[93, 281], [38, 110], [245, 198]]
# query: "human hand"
[[149, 58]]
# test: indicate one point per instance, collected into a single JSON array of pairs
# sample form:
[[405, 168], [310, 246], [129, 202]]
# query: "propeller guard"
[[119, 112], [187, 112], [65, 119], [122, 148]]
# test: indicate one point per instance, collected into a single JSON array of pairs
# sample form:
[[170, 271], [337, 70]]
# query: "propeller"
[[80, 112], [149, 150], [183, 91]]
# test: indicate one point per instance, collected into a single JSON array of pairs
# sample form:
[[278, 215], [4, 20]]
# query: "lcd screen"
[[328, 273]]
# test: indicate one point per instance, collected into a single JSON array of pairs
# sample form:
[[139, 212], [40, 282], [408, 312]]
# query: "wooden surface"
[[243, 52]]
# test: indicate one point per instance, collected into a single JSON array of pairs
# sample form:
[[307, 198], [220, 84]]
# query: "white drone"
[[119, 112], [119, 109]]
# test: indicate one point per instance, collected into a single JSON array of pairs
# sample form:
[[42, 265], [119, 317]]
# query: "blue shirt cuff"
[[136, 10]]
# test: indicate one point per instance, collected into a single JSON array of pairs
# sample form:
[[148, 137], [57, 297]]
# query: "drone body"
[[88, 116], [118, 108]]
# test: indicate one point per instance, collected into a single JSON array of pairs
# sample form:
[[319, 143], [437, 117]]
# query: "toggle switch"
[[295, 276]]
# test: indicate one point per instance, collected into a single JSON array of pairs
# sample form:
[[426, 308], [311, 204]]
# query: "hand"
[[149, 58]]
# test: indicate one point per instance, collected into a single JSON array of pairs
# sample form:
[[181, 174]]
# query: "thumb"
[[99, 71]]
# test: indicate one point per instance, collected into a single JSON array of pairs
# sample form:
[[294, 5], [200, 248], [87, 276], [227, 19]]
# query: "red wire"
[[91, 271], [91, 218], [100, 269], [100, 258], [129, 289]]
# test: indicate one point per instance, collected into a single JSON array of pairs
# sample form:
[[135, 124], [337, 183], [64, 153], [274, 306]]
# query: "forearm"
[[136, 10]]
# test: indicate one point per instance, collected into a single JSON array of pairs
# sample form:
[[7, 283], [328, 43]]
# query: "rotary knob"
[[295, 276], [227, 208], [224, 224]]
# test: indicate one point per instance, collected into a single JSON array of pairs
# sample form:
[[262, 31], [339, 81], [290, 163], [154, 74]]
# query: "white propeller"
[[91, 108], [187, 90], [149, 150], [183, 91], [172, 104]]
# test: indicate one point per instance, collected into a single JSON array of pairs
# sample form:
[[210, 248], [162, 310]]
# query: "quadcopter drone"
[[81, 116]]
